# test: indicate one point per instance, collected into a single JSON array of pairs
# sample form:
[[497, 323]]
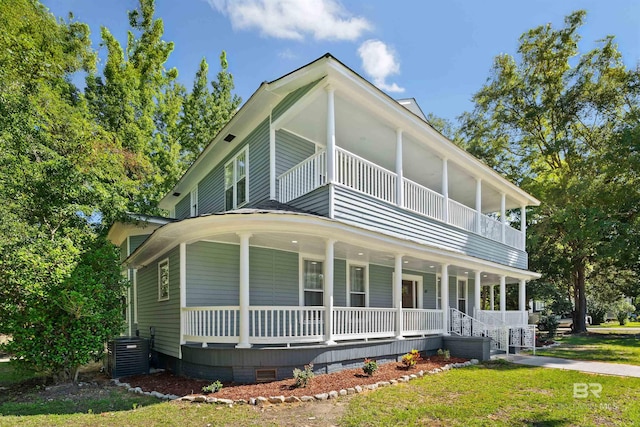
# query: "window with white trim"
[[235, 180], [357, 282], [163, 280], [313, 282]]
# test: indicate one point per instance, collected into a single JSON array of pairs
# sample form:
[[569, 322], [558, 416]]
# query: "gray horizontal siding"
[[291, 150], [429, 299], [183, 207], [291, 99], [211, 187], [471, 298], [273, 277], [135, 241], [164, 316], [316, 202], [362, 210], [340, 283], [380, 286], [453, 291], [213, 274]]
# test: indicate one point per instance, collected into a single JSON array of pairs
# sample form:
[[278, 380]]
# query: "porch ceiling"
[[372, 137]]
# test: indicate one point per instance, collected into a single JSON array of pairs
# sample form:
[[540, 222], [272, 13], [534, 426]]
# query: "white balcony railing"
[[462, 216], [423, 200], [361, 322], [365, 176], [421, 322], [292, 324], [303, 177]]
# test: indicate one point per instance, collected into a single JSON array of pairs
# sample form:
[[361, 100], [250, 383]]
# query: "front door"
[[409, 294]]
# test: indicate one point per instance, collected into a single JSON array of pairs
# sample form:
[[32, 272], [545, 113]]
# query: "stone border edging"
[[260, 400]]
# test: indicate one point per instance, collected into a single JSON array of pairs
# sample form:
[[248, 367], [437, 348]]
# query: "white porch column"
[[492, 298], [399, 171], [522, 295], [244, 290], [476, 293], [183, 294], [397, 292], [328, 291], [503, 296], [445, 190], [523, 225], [331, 135], [478, 206], [272, 161], [503, 215], [444, 297]]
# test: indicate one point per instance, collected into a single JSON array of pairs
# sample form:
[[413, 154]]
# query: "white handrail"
[[462, 216], [303, 178], [362, 175], [421, 321], [286, 324], [211, 324], [423, 200], [363, 322]]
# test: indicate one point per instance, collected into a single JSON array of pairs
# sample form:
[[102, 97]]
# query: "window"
[[313, 282], [235, 180], [462, 295], [163, 280], [194, 202], [357, 281]]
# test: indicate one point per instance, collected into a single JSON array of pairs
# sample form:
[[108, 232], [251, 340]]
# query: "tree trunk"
[[580, 312]]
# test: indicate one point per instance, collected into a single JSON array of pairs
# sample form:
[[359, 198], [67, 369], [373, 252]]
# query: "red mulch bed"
[[167, 383]]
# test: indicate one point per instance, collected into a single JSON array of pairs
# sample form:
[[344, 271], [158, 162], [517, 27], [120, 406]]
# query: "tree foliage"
[[72, 162], [558, 123]]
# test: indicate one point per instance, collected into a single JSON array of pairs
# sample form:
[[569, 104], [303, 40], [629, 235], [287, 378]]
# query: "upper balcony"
[[368, 178], [373, 147]]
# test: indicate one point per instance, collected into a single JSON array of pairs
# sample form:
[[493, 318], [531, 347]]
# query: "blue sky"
[[439, 52]]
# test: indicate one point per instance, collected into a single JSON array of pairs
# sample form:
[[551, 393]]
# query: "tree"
[[205, 112], [552, 122]]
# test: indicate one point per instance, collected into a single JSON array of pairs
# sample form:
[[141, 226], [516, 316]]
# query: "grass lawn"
[[602, 347], [615, 324], [496, 393], [499, 393], [9, 375]]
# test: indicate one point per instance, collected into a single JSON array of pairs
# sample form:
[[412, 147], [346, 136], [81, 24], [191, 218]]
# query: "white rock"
[[276, 399], [342, 392], [292, 399], [211, 400], [358, 389], [307, 398], [321, 396], [225, 401], [252, 401], [333, 394], [351, 390]]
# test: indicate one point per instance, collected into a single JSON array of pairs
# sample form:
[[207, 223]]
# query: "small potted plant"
[[369, 367]]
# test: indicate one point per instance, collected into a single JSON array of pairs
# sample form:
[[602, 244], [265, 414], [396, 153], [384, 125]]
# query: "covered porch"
[[282, 284]]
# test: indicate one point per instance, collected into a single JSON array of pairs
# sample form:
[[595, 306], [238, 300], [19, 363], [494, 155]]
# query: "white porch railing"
[[292, 324], [361, 322], [462, 216], [303, 177], [495, 318], [491, 228], [423, 200], [365, 176], [211, 324], [278, 325], [464, 325], [417, 321], [513, 237]]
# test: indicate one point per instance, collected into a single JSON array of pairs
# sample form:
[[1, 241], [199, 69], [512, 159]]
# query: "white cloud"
[[379, 62], [287, 54], [293, 19]]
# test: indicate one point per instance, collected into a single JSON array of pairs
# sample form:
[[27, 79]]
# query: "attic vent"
[[176, 194], [265, 375], [230, 137]]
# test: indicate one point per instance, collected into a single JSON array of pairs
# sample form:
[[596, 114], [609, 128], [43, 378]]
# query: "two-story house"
[[327, 222]]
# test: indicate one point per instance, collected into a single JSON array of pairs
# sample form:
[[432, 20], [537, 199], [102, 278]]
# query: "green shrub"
[[213, 387], [369, 367], [550, 324], [445, 354], [303, 377]]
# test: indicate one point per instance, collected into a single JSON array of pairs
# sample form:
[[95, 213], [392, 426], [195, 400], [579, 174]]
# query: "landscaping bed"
[[167, 383]]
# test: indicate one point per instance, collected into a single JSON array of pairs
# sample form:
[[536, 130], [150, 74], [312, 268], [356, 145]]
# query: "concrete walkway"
[[577, 365]]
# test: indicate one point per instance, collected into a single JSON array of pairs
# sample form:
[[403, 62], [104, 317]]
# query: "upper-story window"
[[235, 180]]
